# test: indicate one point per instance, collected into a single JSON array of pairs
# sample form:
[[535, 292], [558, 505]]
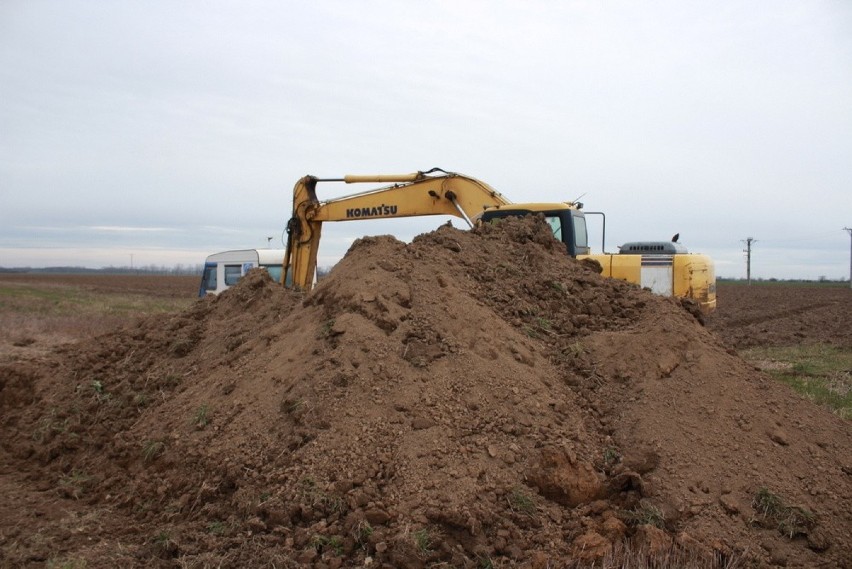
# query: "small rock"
[[561, 477], [651, 539], [614, 529], [421, 423], [539, 560], [255, 524], [358, 499], [307, 556], [778, 557], [377, 516], [598, 507], [729, 504], [818, 541], [777, 435], [641, 460], [689, 543], [590, 546], [514, 552]]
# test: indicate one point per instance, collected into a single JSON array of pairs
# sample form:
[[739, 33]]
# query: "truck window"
[[232, 274]]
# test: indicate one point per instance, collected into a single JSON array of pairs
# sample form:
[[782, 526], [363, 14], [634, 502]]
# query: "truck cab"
[[224, 270]]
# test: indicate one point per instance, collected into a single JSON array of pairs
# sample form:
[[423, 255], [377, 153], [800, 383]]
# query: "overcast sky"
[[168, 130]]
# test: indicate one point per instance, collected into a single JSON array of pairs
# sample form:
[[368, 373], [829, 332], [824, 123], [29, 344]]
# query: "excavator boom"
[[416, 194]]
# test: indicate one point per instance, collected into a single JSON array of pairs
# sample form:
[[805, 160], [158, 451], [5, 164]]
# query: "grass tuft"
[[152, 449], [522, 502], [789, 520], [611, 456], [423, 540], [74, 485], [201, 418], [333, 543], [326, 330], [362, 533], [645, 514], [216, 528]]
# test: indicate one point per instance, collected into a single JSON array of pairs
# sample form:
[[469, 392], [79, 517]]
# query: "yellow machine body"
[[665, 268]]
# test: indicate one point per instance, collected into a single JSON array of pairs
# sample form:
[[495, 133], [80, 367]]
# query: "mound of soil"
[[471, 399]]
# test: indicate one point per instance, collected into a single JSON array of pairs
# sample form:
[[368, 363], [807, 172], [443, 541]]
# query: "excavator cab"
[[567, 223]]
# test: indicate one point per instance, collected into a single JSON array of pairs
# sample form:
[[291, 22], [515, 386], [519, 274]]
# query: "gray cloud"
[[720, 121]]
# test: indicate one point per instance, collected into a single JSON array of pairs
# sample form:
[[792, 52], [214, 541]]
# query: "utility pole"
[[849, 231], [748, 241]]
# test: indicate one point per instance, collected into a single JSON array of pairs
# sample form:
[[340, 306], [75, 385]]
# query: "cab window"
[[581, 237], [555, 226]]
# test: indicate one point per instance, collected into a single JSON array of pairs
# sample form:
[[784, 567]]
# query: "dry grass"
[[42, 315], [774, 512], [625, 555]]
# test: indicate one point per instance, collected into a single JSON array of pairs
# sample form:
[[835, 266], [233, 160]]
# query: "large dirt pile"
[[473, 399]]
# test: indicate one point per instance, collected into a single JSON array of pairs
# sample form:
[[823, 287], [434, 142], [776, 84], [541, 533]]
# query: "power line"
[[849, 231], [748, 241]]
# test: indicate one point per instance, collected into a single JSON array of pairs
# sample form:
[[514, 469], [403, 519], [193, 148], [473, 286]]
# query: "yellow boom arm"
[[410, 195]]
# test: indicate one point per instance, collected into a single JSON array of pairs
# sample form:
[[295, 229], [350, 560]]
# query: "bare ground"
[[783, 315], [473, 399]]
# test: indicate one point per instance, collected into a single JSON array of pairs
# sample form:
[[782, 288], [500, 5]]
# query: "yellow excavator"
[[665, 267]]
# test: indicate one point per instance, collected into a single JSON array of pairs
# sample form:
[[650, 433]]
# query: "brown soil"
[[472, 399], [782, 315], [154, 285]]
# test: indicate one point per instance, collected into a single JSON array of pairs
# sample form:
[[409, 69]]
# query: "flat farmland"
[[41, 311], [184, 287], [782, 314]]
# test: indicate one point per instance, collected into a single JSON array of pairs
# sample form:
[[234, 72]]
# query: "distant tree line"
[[821, 279], [175, 270]]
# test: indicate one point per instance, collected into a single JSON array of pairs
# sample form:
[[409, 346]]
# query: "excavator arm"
[[420, 193]]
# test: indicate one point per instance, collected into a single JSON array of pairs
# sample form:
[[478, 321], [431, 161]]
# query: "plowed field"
[[783, 315], [153, 285]]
